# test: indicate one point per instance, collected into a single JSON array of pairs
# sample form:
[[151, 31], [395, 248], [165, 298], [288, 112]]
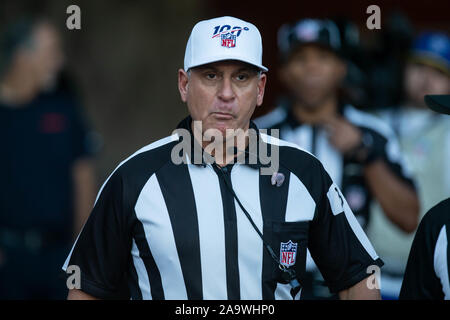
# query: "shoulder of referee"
[[139, 166]]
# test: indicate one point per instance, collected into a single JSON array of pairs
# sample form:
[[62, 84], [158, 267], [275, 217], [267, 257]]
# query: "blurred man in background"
[[358, 150], [425, 142], [46, 178]]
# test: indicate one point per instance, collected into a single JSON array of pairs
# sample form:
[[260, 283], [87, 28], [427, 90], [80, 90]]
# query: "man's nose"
[[226, 92], [312, 64]]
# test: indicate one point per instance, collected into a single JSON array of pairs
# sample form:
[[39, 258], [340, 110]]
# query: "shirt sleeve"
[[83, 142], [387, 147], [102, 249], [338, 245], [420, 280]]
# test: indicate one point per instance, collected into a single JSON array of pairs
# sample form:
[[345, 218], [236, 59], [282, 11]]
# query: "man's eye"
[[210, 76], [242, 77]]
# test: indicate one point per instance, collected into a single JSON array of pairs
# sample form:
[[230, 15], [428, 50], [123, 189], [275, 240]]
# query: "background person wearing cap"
[[218, 230], [427, 272], [424, 138], [358, 150]]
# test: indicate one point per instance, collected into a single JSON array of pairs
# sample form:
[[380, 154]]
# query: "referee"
[[215, 229], [427, 271]]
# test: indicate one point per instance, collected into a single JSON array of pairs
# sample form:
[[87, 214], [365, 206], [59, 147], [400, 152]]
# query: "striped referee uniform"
[[427, 271], [345, 172], [164, 231]]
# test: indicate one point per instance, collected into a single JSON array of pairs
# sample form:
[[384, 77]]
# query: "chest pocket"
[[289, 240]]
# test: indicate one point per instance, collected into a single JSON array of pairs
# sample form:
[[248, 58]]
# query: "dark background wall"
[[124, 60]]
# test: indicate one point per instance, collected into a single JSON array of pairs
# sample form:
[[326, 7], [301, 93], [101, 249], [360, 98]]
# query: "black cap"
[[316, 31], [438, 102]]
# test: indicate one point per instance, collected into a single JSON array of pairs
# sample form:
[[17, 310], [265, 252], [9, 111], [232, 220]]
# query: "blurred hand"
[[342, 134]]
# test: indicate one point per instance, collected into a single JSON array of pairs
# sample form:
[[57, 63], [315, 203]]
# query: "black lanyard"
[[289, 275]]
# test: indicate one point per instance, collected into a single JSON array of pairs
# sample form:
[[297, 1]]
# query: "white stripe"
[[278, 142], [310, 264], [300, 205], [245, 181], [335, 199], [283, 292], [151, 210], [144, 283], [301, 136], [282, 143], [330, 157], [272, 140], [273, 117], [211, 231], [151, 146], [440, 262], [66, 263]]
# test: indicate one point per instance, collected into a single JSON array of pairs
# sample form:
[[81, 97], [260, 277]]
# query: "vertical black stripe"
[[176, 187], [154, 276], [138, 171], [313, 140], [133, 282], [231, 237], [273, 207]]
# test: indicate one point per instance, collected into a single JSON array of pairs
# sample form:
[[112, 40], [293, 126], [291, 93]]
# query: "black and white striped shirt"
[[346, 173], [164, 231], [427, 271]]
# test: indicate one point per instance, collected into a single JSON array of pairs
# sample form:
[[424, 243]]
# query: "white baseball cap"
[[224, 38]]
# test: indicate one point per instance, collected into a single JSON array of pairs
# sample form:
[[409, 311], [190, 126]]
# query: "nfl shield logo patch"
[[288, 253], [228, 40]]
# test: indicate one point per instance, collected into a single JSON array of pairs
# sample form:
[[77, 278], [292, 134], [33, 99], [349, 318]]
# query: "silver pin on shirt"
[[277, 179]]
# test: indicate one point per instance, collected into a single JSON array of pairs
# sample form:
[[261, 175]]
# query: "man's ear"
[[261, 87], [183, 81]]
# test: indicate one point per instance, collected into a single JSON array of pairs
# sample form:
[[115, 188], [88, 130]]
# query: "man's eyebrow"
[[247, 69], [203, 68], [214, 69]]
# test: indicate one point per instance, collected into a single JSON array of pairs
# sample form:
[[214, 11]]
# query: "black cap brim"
[[438, 102]]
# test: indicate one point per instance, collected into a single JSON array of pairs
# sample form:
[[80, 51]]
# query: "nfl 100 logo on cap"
[[288, 253], [228, 40], [227, 37], [224, 38]]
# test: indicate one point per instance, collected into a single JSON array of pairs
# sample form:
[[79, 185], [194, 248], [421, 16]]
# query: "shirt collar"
[[186, 123]]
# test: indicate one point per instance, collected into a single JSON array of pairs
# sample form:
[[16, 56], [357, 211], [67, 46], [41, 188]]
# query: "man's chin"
[[223, 126], [217, 131], [225, 131]]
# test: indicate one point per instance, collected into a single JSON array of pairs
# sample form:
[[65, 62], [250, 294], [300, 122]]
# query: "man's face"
[[223, 95], [44, 57], [313, 74], [421, 80]]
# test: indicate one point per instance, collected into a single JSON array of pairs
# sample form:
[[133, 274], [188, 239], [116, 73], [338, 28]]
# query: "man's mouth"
[[223, 116]]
